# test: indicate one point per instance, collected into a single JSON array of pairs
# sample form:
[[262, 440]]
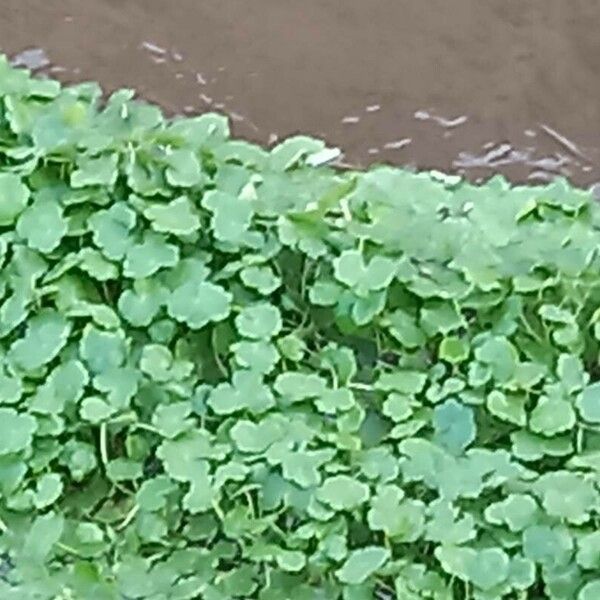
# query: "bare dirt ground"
[[475, 86]]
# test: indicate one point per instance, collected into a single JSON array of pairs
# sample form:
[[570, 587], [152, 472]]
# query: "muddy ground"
[[475, 86]]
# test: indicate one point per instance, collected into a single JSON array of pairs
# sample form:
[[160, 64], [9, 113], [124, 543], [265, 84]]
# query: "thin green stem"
[[218, 362], [104, 445], [128, 518]]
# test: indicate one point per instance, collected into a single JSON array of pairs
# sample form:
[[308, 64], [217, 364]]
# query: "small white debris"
[[200, 79], [451, 122], [206, 99], [31, 58], [323, 157], [423, 115], [595, 190], [397, 144], [350, 119], [154, 48], [373, 150], [445, 178], [561, 139], [373, 108]]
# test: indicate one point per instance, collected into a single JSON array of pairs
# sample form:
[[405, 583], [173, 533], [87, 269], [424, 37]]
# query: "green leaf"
[[245, 392], [11, 389], [588, 553], [303, 469], [490, 568], [362, 563], [552, 416], [500, 355], [571, 372], [324, 293], [42, 225], [454, 350], [156, 361], [177, 217], [296, 386], [292, 347], [287, 153], [507, 407], [404, 328], [122, 469], [153, 493], [183, 168], [549, 546], [400, 519], [145, 259], [172, 420], [14, 195], [589, 403], [517, 511], [290, 560], [255, 438], [485, 568], [102, 350], [259, 356], [343, 492], [261, 279], [140, 305], [95, 265], [351, 270], [454, 426], [231, 216], [441, 317], [98, 170], [590, 590], [111, 230], [259, 321], [120, 385], [199, 303], [16, 431], [529, 447], [397, 407], [334, 401], [567, 496], [445, 525], [46, 334], [48, 490], [404, 382], [96, 410], [44, 534]]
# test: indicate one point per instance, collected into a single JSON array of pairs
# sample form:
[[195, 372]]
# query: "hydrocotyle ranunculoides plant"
[[226, 373]]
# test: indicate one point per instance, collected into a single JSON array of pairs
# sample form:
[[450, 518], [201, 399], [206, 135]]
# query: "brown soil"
[[477, 86]]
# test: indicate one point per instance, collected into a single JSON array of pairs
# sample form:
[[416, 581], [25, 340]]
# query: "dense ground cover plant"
[[225, 373]]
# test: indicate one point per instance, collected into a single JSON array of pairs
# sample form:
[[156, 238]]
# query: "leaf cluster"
[[228, 373]]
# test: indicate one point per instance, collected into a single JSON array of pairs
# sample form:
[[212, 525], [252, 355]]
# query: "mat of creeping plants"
[[226, 373]]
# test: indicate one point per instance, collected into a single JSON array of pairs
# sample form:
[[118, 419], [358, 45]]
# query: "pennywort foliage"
[[226, 373]]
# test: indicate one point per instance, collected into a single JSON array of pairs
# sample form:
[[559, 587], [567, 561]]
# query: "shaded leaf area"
[[225, 373]]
